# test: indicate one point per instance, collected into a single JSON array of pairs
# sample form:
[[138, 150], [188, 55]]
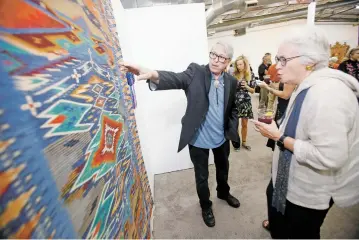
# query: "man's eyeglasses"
[[283, 61], [220, 59]]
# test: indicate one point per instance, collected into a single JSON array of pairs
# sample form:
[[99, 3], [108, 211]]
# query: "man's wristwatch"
[[280, 142]]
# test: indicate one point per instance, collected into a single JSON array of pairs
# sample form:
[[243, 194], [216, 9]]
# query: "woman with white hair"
[[316, 162]]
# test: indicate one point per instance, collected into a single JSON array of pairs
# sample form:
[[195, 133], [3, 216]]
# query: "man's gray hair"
[[227, 48], [312, 44]]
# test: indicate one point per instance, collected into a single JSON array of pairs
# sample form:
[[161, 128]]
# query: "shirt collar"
[[220, 77]]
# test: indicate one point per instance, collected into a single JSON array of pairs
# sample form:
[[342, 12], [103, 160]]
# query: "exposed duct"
[[223, 6], [266, 19], [151, 3]]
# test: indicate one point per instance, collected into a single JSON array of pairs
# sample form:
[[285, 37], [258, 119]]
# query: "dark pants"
[[199, 157], [236, 144], [297, 222]]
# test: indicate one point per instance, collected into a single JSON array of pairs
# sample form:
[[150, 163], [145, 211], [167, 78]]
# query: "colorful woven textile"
[[70, 158]]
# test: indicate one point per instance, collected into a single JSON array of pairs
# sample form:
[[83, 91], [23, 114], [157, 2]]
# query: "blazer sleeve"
[[233, 116], [171, 80], [234, 112]]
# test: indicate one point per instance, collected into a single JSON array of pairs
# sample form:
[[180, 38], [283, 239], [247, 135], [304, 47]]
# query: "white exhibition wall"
[[162, 38], [260, 40], [125, 42]]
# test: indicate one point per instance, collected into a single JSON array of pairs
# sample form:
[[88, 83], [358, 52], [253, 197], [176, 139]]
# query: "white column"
[[311, 13]]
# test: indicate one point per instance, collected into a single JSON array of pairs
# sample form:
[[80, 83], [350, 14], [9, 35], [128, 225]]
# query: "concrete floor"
[[178, 215]]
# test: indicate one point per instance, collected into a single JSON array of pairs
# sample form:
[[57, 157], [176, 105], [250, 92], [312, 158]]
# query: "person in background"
[[272, 73], [283, 93], [333, 63], [243, 99], [269, 56], [210, 121], [253, 76], [316, 162], [231, 69], [351, 65], [263, 68], [262, 74]]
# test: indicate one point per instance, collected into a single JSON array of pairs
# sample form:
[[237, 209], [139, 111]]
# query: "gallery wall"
[[260, 40], [162, 38]]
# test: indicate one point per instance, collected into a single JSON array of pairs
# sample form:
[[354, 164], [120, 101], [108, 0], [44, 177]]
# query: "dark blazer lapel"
[[208, 79], [227, 89]]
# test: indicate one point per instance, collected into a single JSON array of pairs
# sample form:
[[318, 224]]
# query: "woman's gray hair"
[[312, 45], [227, 48]]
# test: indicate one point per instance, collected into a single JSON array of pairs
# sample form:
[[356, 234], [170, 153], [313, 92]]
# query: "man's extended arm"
[[169, 80]]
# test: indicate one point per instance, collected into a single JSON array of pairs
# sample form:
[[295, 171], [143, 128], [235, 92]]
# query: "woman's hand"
[[263, 85], [267, 130], [244, 84]]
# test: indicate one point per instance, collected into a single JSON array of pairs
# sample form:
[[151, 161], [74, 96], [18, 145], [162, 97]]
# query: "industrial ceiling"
[[224, 15]]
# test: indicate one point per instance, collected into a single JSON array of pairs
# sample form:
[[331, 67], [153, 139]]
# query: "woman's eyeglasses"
[[283, 61], [220, 59]]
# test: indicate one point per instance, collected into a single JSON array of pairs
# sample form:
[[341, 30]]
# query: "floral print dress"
[[351, 67], [243, 102]]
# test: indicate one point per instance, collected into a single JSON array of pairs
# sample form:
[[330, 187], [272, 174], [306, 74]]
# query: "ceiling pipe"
[[338, 20], [265, 19], [344, 21], [223, 6]]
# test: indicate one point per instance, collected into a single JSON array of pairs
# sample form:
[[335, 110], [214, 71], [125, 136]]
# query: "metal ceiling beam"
[[339, 12], [325, 20], [349, 15], [338, 20], [240, 23]]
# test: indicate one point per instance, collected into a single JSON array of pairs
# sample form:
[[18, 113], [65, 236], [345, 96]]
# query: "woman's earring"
[[309, 68]]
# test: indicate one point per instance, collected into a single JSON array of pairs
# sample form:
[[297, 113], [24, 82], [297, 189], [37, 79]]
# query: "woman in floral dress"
[[243, 99]]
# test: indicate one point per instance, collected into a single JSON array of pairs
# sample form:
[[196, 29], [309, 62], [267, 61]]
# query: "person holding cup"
[[243, 99], [283, 93], [316, 161], [263, 76]]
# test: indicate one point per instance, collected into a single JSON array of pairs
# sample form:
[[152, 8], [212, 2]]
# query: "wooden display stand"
[[339, 50]]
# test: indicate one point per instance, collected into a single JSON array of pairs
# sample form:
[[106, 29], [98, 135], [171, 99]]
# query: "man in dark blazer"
[[210, 121]]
